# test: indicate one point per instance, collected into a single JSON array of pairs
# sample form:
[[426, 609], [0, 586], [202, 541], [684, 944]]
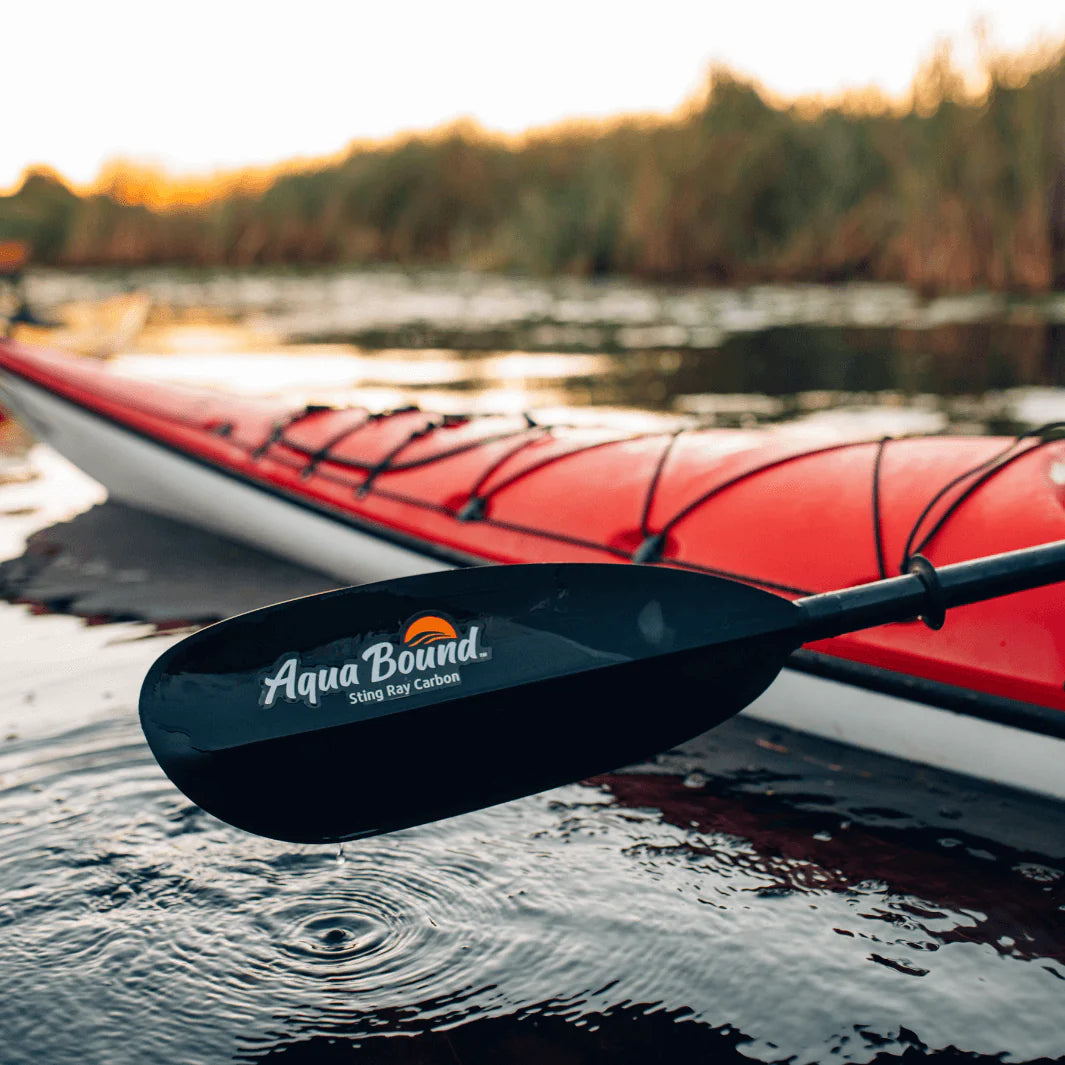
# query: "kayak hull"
[[1022, 747]]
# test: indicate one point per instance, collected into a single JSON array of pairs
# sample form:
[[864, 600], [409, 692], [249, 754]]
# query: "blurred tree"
[[964, 188]]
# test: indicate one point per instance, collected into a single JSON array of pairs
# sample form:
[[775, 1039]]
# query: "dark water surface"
[[756, 895]]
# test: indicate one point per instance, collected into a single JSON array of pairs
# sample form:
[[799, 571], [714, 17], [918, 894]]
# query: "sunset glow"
[[201, 88]]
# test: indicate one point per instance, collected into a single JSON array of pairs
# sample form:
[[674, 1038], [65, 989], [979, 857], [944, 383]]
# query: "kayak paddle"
[[370, 709]]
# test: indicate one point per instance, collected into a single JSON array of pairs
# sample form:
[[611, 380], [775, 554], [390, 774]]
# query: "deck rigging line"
[[653, 542]]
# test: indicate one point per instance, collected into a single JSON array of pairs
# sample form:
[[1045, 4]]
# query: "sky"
[[201, 86]]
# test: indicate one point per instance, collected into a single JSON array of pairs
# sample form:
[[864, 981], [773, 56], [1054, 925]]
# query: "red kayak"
[[366, 495]]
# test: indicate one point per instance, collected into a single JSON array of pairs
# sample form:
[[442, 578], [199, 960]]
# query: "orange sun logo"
[[428, 629]]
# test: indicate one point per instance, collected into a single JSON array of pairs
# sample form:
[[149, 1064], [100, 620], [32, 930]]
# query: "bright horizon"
[[225, 86]]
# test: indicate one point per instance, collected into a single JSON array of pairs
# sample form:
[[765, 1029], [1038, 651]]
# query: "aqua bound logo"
[[422, 658]]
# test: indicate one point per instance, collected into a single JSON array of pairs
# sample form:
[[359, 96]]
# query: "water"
[[461, 342], [755, 895]]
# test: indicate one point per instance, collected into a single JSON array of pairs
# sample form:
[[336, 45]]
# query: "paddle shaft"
[[915, 594]]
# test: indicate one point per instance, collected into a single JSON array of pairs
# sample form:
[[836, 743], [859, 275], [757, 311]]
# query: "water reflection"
[[980, 363], [545, 1032], [787, 375], [115, 563], [591, 923]]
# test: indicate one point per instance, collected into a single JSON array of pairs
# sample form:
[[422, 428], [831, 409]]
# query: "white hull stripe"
[[915, 732]]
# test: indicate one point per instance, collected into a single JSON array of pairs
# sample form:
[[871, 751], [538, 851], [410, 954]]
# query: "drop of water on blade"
[[340, 854]]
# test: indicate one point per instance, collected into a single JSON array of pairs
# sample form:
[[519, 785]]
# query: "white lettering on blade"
[[384, 662]]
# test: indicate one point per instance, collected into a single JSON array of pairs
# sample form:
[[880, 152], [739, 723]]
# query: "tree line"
[[953, 192]]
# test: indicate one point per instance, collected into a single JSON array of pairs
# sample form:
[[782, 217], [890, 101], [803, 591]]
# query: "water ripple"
[[638, 896]]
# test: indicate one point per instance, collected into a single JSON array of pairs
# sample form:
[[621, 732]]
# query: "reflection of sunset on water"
[[822, 360]]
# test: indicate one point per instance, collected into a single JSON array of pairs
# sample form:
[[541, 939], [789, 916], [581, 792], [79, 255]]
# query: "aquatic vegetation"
[[960, 189]]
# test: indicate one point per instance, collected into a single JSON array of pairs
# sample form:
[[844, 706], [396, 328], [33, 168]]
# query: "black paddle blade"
[[371, 709]]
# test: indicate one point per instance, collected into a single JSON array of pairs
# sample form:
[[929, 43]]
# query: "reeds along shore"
[[955, 192]]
